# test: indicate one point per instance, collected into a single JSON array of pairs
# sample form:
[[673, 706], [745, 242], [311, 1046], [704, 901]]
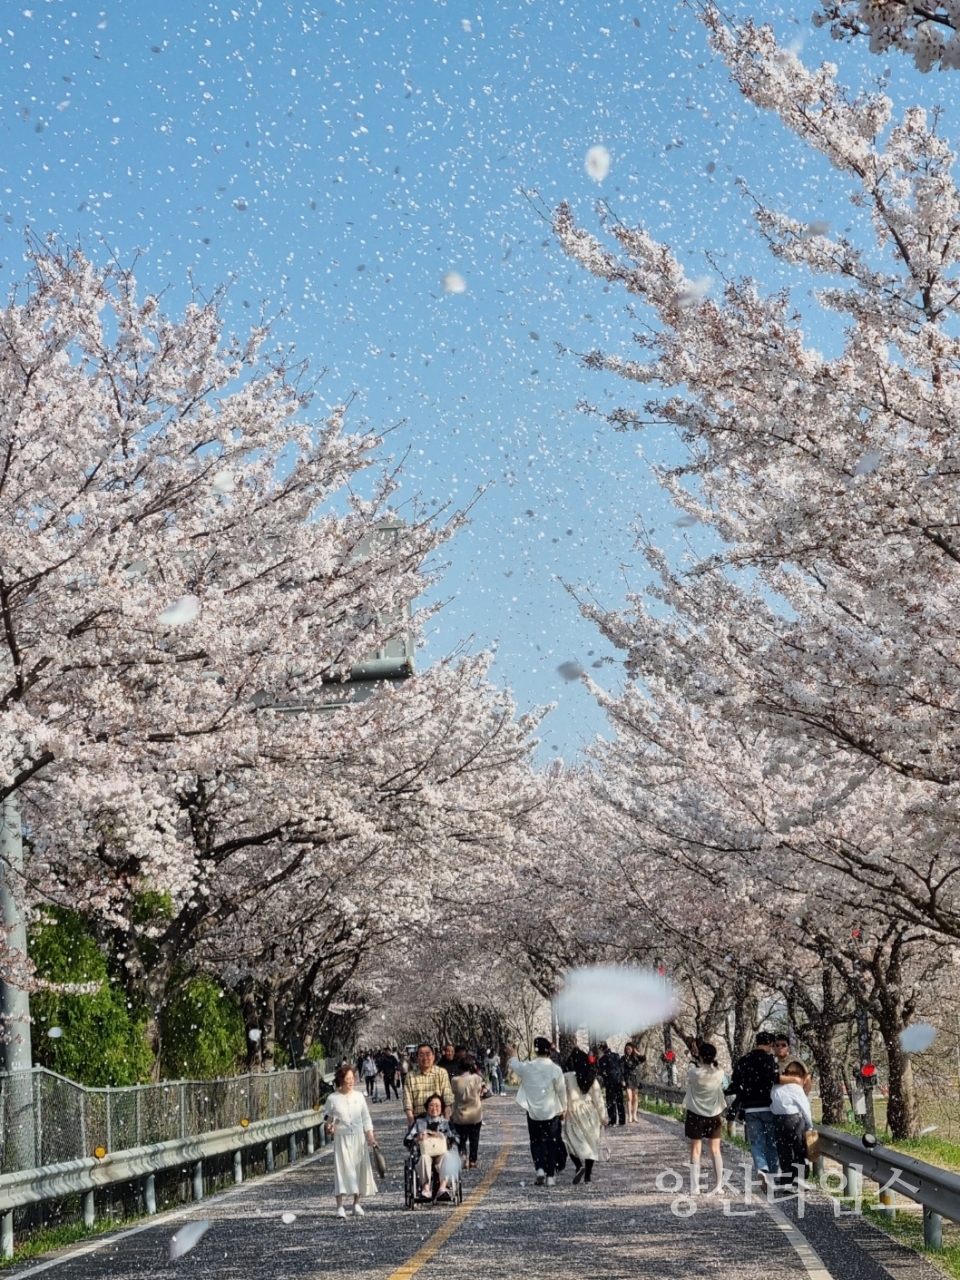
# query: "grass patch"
[[662, 1109], [931, 1148], [934, 1150], [48, 1239]]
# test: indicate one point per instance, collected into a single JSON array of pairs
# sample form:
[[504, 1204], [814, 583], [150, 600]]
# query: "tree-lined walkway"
[[620, 1226]]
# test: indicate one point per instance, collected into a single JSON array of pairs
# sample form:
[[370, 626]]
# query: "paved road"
[[620, 1226]]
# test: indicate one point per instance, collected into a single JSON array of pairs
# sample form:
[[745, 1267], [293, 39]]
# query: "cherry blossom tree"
[[824, 618], [181, 555], [925, 30]]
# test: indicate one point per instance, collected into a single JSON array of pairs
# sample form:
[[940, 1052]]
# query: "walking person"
[[792, 1117], [390, 1069], [610, 1074], [423, 1080], [543, 1095], [632, 1072], [467, 1112], [347, 1118], [705, 1103], [586, 1114], [369, 1071], [494, 1072]]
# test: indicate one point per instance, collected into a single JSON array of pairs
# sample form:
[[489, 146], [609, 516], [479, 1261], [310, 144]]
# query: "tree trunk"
[[820, 1030], [903, 1110], [567, 1044], [268, 1033], [741, 1026]]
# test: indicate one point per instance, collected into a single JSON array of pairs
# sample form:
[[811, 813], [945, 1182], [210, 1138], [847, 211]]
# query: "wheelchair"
[[412, 1189]]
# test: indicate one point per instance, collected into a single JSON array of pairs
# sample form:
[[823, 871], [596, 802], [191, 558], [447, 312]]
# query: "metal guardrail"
[[87, 1175], [936, 1189], [673, 1094], [47, 1119]]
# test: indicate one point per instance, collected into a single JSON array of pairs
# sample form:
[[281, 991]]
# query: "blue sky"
[[335, 160]]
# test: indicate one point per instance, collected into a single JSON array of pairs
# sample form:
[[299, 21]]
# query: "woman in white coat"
[[586, 1114], [347, 1117]]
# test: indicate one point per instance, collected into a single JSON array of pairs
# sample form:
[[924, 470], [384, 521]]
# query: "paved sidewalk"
[[619, 1226]]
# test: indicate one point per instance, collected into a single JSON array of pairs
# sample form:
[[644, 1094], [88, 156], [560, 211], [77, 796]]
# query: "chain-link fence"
[[46, 1119]]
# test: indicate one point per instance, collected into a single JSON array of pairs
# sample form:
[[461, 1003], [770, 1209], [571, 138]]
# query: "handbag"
[[378, 1162], [434, 1144], [811, 1139]]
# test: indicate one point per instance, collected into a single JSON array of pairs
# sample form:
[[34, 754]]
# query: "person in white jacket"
[[705, 1102], [792, 1117], [543, 1095]]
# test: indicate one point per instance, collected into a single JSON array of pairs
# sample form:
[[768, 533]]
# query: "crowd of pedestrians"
[[568, 1108], [443, 1103]]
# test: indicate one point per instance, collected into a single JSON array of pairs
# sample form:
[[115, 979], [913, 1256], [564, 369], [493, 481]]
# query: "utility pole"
[[14, 1002], [20, 1135], [868, 1072]]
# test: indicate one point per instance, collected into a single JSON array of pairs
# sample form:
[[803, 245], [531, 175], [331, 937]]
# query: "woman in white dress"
[[347, 1117], [586, 1114]]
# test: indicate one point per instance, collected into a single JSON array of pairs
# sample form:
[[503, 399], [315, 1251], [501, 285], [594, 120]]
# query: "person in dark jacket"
[[610, 1075], [754, 1076], [389, 1065]]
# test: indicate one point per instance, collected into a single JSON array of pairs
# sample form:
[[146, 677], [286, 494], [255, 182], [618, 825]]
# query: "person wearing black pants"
[[610, 1074], [469, 1137], [467, 1112], [790, 1105], [545, 1140], [390, 1069], [543, 1095]]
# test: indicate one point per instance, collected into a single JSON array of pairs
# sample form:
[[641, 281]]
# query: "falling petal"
[[570, 671], [685, 522], [453, 282], [917, 1037], [931, 1128], [450, 1166], [597, 163], [693, 291], [181, 611], [288, 1218], [253, 1034], [188, 1237], [224, 482], [814, 229], [55, 1033], [614, 1000]]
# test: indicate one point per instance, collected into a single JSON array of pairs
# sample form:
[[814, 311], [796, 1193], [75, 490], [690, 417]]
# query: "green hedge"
[[102, 1041]]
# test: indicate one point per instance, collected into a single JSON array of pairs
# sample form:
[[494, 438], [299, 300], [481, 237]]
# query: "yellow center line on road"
[[440, 1236]]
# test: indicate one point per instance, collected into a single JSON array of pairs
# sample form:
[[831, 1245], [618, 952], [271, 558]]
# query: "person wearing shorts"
[[705, 1103]]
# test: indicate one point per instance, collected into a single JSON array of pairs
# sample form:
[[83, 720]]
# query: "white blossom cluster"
[[929, 33]]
